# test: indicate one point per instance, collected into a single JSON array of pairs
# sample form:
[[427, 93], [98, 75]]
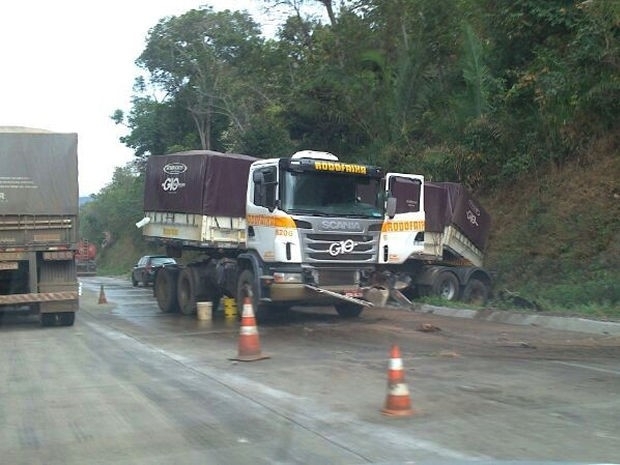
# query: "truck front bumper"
[[309, 295], [300, 292]]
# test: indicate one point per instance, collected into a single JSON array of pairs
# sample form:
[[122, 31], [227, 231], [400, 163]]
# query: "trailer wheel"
[[66, 318], [446, 286], [476, 292], [166, 291], [48, 319], [349, 310], [186, 291]]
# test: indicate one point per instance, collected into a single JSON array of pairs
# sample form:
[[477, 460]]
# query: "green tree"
[[157, 127], [115, 209], [198, 63]]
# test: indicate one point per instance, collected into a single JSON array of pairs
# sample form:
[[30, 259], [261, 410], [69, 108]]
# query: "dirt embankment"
[[561, 227]]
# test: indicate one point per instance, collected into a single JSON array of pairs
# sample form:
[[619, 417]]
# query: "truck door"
[[402, 233], [271, 232]]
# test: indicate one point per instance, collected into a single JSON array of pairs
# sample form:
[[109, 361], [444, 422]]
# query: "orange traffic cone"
[[102, 299], [397, 402], [249, 344]]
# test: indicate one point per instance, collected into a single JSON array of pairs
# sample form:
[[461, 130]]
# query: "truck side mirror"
[[390, 206]]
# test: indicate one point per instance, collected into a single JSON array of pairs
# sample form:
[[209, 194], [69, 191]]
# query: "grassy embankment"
[[556, 236]]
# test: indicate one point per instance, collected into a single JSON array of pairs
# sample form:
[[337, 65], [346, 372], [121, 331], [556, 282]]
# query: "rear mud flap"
[[336, 295]]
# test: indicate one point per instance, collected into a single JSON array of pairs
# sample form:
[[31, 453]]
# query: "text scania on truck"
[[302, 230]]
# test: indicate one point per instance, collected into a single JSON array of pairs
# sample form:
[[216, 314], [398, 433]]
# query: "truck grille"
[[340, 247]]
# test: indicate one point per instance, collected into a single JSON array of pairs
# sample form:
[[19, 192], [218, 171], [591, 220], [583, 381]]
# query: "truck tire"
[[476, 292], [245, 283], [48, 319], [186, 291], [446, 286], [349, 310], [166, 291], [66, 318], [58, 319]]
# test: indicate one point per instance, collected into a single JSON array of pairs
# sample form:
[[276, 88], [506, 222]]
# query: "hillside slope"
[[556, 234]]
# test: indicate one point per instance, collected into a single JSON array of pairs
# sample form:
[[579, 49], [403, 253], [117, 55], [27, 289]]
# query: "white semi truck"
[[39, 224], [302, 230]]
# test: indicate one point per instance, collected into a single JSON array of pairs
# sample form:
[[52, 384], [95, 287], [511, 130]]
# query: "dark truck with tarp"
[[433, 241], [39, 224], [298, 230]]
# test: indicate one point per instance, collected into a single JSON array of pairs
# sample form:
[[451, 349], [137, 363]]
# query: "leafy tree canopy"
[[477, 91]]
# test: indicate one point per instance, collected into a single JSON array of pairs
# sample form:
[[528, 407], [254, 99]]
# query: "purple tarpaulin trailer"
[[199, 182], [451, 203], [197, 198]]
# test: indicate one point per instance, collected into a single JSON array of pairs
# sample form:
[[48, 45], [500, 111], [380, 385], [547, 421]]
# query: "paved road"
[[130, 385]]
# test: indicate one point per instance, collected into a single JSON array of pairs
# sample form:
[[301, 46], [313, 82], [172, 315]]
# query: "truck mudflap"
[[346, 298], [13, 299]]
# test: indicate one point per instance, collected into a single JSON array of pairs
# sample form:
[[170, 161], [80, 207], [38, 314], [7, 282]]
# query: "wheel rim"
[[447, 290]]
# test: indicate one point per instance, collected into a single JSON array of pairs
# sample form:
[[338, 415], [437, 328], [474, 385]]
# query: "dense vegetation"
[[518, 100]]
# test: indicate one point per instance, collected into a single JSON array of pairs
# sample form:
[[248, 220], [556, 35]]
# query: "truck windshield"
[[327, 194]]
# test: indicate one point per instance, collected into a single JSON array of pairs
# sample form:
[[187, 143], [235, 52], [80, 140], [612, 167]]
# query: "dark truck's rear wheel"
[[166, 290], [58, 319], [349, 310], [66, 318], [48, 319]]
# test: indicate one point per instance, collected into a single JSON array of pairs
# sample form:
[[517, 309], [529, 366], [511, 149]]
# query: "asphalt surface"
[[130, 385]]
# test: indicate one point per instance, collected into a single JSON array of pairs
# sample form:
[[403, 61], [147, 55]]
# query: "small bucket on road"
[[204, 310]]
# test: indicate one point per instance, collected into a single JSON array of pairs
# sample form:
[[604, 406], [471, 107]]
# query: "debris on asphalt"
[[428, 328]]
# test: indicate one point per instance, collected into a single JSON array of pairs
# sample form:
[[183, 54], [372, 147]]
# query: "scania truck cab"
[[313, 229]]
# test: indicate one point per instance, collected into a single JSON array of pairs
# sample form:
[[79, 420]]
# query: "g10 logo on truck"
[[341, 247], [171, 184], [473, 213]]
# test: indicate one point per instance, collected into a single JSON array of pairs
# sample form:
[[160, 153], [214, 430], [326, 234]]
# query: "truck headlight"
[[288, 278]]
